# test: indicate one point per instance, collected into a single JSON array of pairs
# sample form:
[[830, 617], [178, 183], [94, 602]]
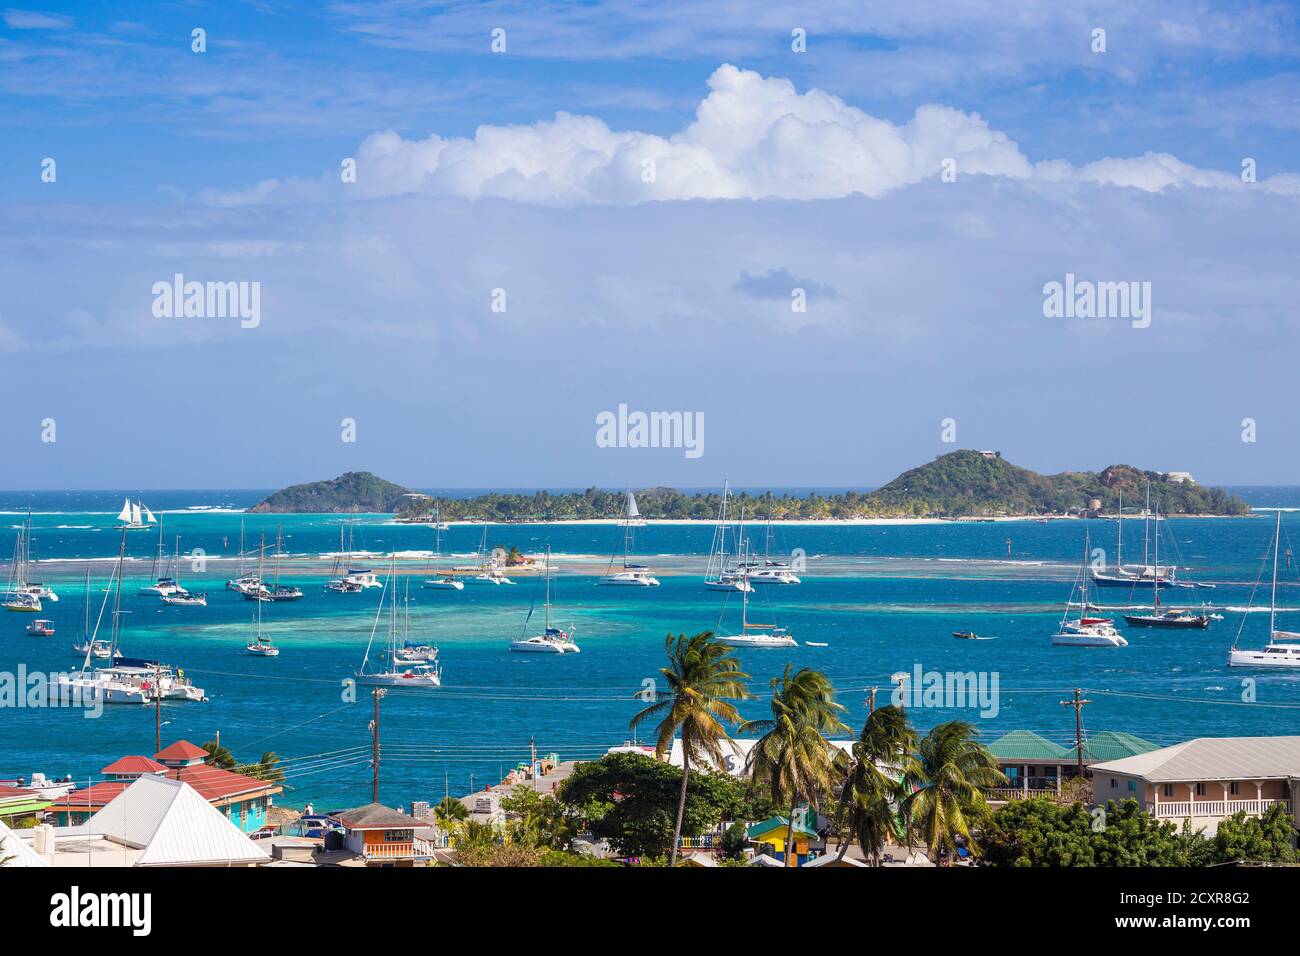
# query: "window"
[[1200, 789], [1132, 785], [1169, 790], [1114, 784]]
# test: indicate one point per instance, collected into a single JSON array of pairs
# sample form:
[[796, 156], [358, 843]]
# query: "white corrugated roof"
[[1213, 758], [173, 825], [14, 850], [735, 754]]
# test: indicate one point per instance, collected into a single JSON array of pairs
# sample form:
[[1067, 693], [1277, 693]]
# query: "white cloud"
[[36, 20], [752, 137]]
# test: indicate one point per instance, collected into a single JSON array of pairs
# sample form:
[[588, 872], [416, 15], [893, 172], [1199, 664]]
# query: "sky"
[[825, 229]]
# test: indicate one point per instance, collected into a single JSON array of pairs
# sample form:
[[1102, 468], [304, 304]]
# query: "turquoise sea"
[[883, 598]]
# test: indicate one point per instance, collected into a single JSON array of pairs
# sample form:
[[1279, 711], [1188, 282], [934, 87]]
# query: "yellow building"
[[773, 833]]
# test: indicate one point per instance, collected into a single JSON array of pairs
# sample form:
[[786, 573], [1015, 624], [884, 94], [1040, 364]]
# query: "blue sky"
[[524, 171]]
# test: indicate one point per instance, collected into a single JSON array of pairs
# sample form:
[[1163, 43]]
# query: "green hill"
[[354, 491], [972, 483]]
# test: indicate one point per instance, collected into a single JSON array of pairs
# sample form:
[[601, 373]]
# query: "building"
[[376, 835], [154, 821], [15, 852], [1036, 766], [242, 799], [1180, 477], [1205, 780], [772, 834]]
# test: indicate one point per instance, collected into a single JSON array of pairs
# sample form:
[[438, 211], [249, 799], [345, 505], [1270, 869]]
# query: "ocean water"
[[883, 598]]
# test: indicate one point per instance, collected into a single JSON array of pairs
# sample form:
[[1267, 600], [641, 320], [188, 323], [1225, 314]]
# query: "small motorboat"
[[99, 649], [185, 599], [41, 628], [965, 635], [444, 582]]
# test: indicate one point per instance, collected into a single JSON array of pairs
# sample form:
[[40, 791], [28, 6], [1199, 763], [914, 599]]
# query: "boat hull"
[[1180, 624]]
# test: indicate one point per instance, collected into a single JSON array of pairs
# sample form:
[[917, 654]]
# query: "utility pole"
[[157, 714], [1078, 704], [374, 742]]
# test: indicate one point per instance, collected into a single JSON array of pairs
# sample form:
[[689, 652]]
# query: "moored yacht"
[[1283, 647], [629, 575], [425, 675], [1085, 631], [552, 640]]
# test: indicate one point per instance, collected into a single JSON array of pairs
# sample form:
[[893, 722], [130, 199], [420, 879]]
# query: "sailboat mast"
[[1272, 604], [1119, 535], [546, 607], [1155, 575], [117, 594], [85, 627]]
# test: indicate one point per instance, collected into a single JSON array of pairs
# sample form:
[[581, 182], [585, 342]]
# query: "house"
[[773, 831], [1206, 779], [735, 753], [154, 821], [1180, 477], [835, 860], [376, 835], [1036, 766], [244, 800]]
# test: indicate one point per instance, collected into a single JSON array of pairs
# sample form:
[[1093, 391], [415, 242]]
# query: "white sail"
[[631, 506], [148, 516], [125, 515], [135, 513]]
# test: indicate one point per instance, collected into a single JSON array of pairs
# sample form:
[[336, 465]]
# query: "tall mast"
[[546, 607], [117, 594], [1272, 604], [1119, 535], [85, 627], [1146, 528], [1155, 576]]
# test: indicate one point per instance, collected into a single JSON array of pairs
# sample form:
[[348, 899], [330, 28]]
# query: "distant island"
[[961, 484]]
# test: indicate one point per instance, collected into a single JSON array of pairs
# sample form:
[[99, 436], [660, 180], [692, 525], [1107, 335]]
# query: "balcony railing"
[[399, 851], [1047, 789], [1211, 808]]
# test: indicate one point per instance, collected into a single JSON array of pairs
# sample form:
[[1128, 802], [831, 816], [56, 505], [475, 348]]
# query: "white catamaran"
[[552, 640], [1085, 631], [23, 595], [630, 575], [441, 580], [1283, 648]]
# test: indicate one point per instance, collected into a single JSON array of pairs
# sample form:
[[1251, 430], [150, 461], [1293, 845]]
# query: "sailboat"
[[243, 580], [442, 580], [631, 575], [98, 649], [552, 640], [718, 575], [488, 571], [259, 591], [179, 596], [261, 645], [1173, 617], [35, 588], [1085, 631], [769, 572], [19, 596], [164, 584], [340, 582], [425, 675], [1283, 648], [1147, 575], [755, 635], [135, 516]]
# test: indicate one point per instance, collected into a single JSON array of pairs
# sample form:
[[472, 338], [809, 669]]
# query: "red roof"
[[134, 764], [96, 796], [181, 750], [213, 783]]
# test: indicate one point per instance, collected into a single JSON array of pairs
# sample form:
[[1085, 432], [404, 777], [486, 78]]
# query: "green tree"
[[703, 677], [219, 756], [449, 812], [882, 757], [629, 800], [1038, 832], [948, 795], [267, 768], [793, 758], [537, 819], [1266, 839]]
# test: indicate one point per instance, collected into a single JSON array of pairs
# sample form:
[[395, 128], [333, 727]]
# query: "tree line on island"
[[961, 484], [893, 787]]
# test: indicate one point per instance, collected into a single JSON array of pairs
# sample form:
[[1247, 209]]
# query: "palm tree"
[[449, 811], [882, 762], [218, 756], [793, 757], [703, 677], [265, 769], [954, 769]]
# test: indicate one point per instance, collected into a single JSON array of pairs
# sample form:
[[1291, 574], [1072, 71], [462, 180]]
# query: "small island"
[[959, 485]]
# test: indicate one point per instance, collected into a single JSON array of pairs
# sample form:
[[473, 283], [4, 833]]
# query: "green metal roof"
[[755, 830], [1111, 745], [1026, 745]]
